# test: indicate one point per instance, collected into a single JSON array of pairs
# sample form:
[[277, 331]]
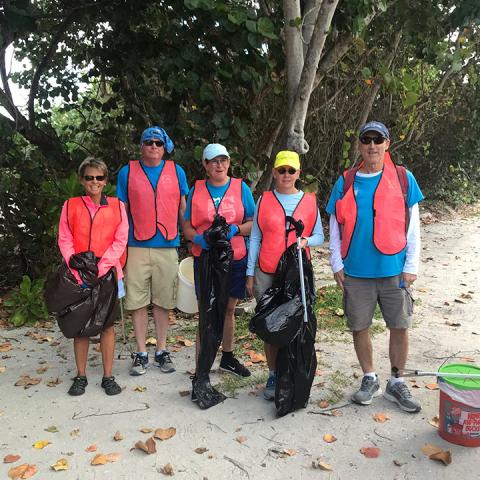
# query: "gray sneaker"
[[400, 394], [139, 365], [369, 389], [269, 390], [164, 362]]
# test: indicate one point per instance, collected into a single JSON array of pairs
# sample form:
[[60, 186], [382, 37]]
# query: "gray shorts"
[[262, 282], [361, 296]]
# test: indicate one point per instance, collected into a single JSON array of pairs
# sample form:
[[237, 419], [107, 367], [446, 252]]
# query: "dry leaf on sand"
[[146, 430], [91, 448], [444, 456], [26, 381], [241, 439], [112, 457], [138, 388], [60, 464], [432, 386], [290, 452], [430, 449], [323, 404], [148, 447], [41, 444], [11, 458], [165, 433], [22, 471], [381, 417], [329, 438], [435, 421], [5, 347], [370, 452], [75, 433], [319, 464], [99, 459], [201, 450], [118, 436], [167, 470]]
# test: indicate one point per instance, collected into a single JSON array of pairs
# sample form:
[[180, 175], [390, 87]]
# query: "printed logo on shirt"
[[216, 201]]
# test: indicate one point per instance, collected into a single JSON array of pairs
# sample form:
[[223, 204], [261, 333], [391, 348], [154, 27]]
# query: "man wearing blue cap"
[[153, 190], [375, 251], [230, 197]]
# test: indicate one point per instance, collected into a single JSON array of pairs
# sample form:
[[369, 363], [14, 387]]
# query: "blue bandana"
[[157, 133]]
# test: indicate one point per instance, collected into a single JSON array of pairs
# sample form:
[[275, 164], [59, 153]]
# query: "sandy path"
[[450, 272]]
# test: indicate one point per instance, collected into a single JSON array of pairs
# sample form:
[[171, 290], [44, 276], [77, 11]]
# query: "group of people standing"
[[374, 243]]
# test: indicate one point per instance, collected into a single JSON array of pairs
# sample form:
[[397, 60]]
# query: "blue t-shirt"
[[363, 259], [153, 174], [217, 194]]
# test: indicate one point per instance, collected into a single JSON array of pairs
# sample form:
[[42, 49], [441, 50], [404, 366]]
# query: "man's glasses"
[[90, 178], [157, 143], [377, 140], [283, 171], [218, 161]]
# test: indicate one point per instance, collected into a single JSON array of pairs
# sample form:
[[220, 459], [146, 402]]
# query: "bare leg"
[[363, 349], [140, 325], [80, 347], [229, 325], [271, 354], [398, 347], [160, 316], [107, 344]]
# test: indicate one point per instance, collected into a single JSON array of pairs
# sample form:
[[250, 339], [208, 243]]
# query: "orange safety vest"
[[389, 219], [271, 219], [94, 234], [231, 207], [153, 208]]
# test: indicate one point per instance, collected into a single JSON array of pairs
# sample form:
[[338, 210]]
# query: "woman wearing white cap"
[[268, 239], [230, 197]]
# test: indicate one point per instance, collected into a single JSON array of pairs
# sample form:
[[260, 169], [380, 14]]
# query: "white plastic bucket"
[[186, 298]]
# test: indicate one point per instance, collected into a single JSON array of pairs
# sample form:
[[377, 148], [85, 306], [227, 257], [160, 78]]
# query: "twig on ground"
[[327, 411], [237, 464], [382, 436], [77, 416], [215, 425], [271, 439]]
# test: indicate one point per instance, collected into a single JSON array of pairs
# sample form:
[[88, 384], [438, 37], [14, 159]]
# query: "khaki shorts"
[[361, 296], [262, 282], [151, 277]]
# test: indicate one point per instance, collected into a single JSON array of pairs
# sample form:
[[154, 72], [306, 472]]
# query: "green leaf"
[[192, 4], [295, 22], [197, 152], [410, 99], [266, 28], [237, 16], [26, 285], [18, 318], [366, 72], [251, 26]]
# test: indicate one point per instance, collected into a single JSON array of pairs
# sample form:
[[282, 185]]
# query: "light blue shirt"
[[289, 203], [363, 259], [153, 174]]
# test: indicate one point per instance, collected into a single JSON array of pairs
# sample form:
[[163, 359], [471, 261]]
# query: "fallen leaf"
[[91, 448], [146, 430], [457, 300], [241, 439], [201, 450], [167, 470], [138, 388], [53, 382], [432, 386], [41, 444], [468, 359], [398, 463], [453, 324], [423, 290], [430, 449], [256, 357], [118, 436], [329, 438], [112, 457], [435, 421], [443, 456], [60, 464], [5, 347], [184, 341], [466, 295], [370, 452], [41, 370], [11, 458], [248, 363], [2, 369], [26, 381], [357, 375], [323, 404], [381, 417], [415, 384], [184, 393], [336, 413], [339, 312], [22, 471], [165, 433], [151, 341], [75, 433], [148, 446], [99, 459], [319, 464], [51, 429], [289, 452]]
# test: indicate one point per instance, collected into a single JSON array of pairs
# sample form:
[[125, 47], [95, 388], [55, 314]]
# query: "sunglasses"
[[283, 171], [377, 140], [218, 161], [90, 178], [157, 143]]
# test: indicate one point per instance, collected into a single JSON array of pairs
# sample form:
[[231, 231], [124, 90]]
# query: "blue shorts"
[[238, 277]]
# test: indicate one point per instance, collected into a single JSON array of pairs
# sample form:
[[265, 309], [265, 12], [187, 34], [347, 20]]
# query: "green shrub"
[[26, 302]]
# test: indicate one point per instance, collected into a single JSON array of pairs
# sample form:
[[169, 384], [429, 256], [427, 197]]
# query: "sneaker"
[[139, 365], [269, 390], [400, 394], [110, 386], [164, 362], [369, 389], [78, 386], [232, 365]]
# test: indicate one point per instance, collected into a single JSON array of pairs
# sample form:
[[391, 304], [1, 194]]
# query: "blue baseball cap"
[[157, 133], [375, 127], [213, 150]]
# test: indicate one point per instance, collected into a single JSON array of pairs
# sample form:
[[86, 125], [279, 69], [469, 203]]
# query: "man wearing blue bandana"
[[153, 189]]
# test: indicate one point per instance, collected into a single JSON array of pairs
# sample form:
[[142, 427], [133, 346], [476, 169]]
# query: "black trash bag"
[[82, 312], [214, 281]]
